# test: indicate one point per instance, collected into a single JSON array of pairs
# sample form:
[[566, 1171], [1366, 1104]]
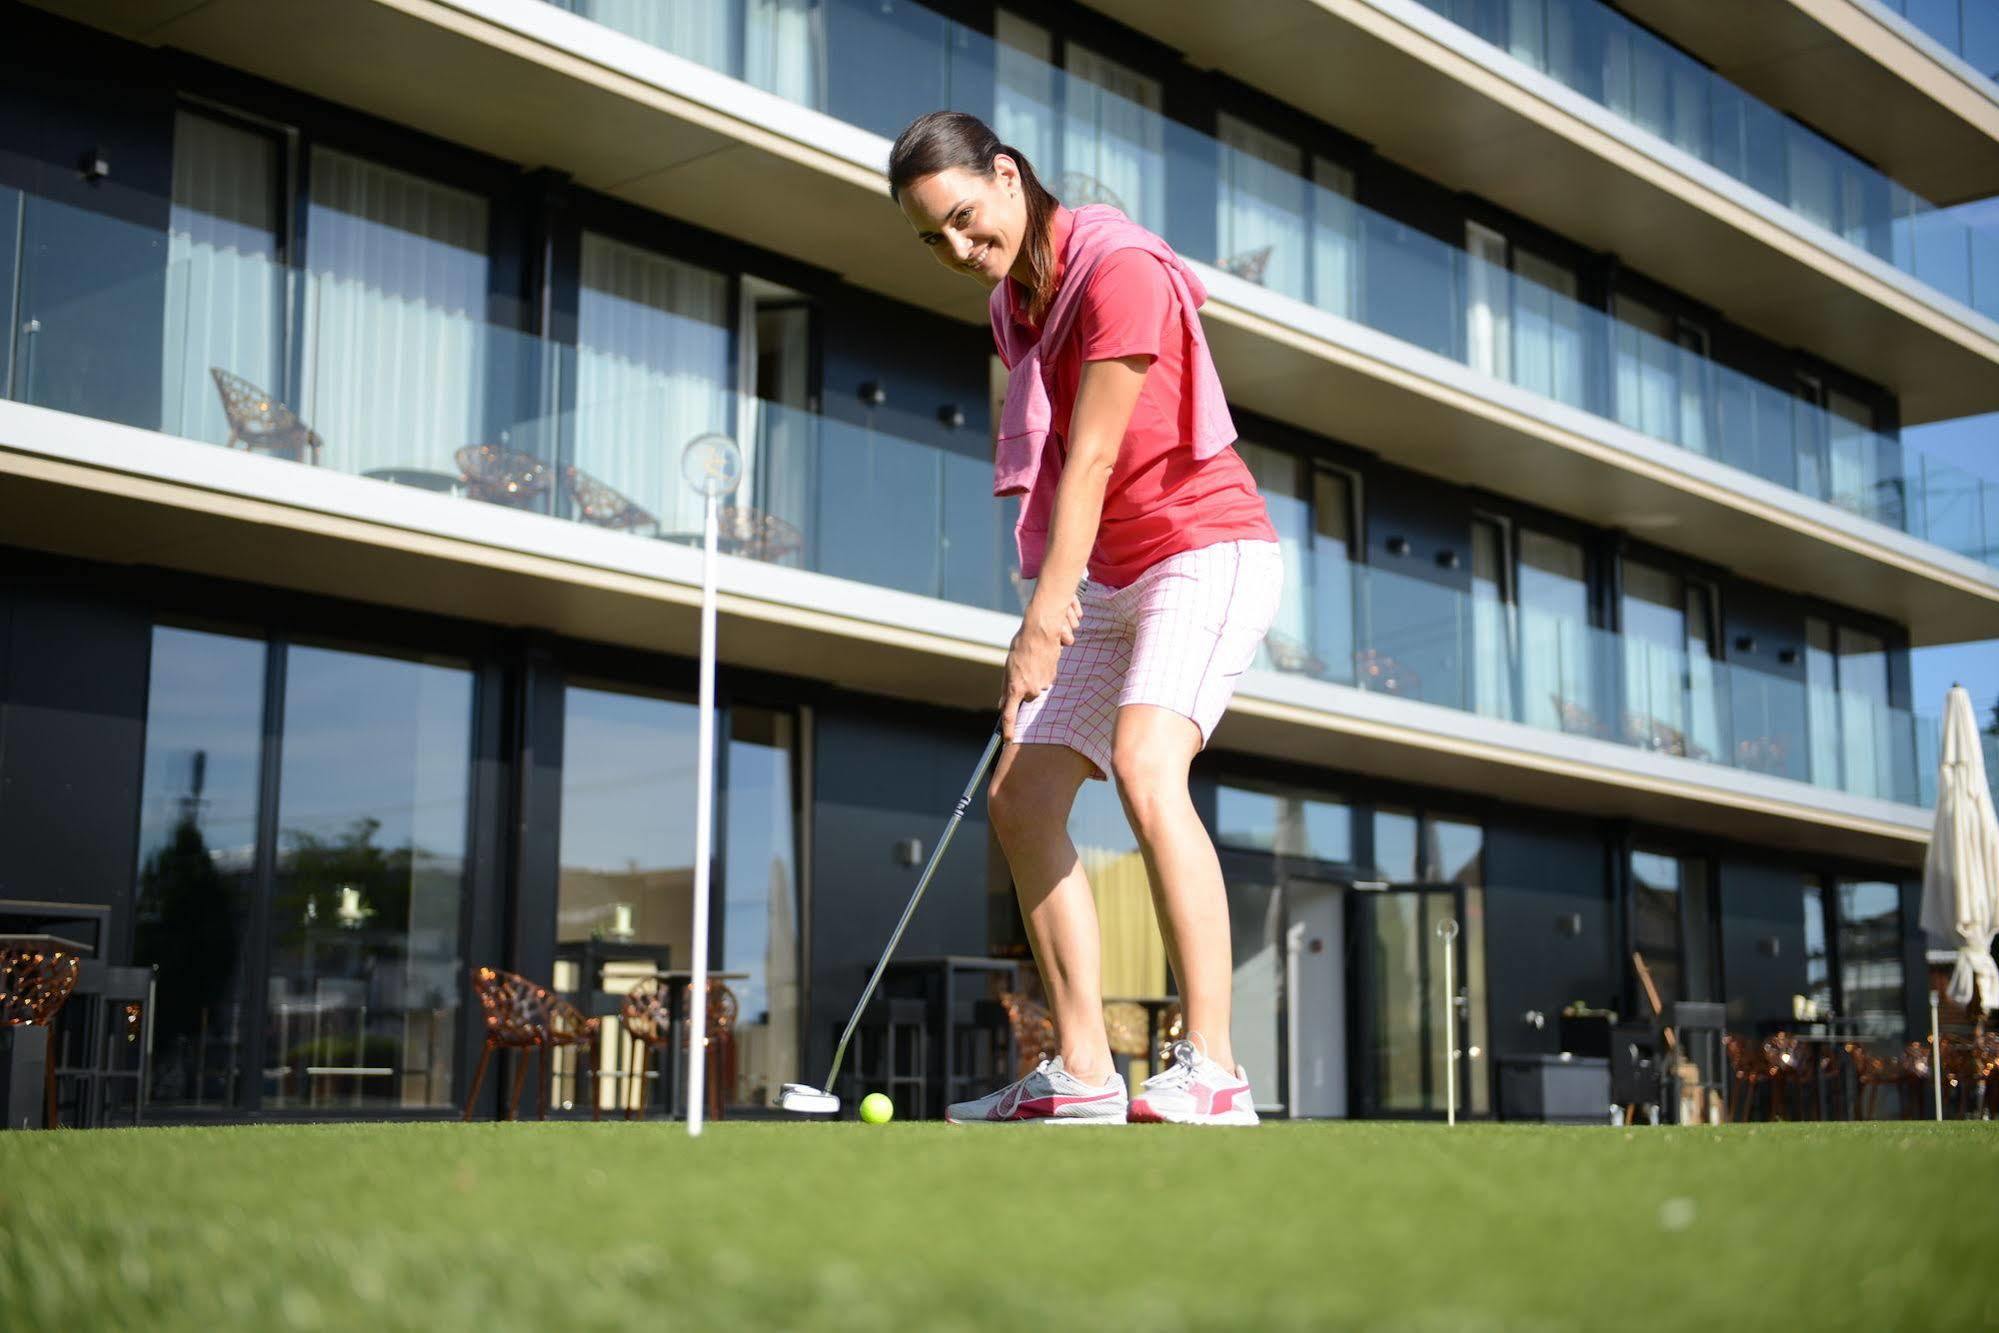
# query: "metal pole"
[[1936, 1057], [1447, 931], [704, 797]]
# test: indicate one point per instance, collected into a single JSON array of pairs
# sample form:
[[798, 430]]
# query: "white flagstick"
[[1447, 931], [712, 464]]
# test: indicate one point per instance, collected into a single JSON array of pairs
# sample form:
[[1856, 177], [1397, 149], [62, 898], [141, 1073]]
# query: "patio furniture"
[[1287, 654], [1871, 1073], [1749, 1068], [652, 1014], [1129, 1030], [901, 1024], [1077, 188], [1033, 1031], [34, 983], [1250, 264], [741, 530], [1376, 670], [420, 478], [647, 1015], [1577, 720], [515, 1013], [603, 507], [719, 1058], [502, 476], [1794, 1070], [262, 424], [569, 1029], [970, 1023]]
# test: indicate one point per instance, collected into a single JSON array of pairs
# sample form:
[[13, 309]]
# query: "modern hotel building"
[[348, 585]]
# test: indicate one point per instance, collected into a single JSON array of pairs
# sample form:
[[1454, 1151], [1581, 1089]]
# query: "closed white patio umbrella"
[[1961, 871]]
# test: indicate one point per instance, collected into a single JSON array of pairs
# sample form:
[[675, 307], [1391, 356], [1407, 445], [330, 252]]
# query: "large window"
[[356, 979], [197, 854], [1670, 698], [760, 920], [1856, 742], [1556, 680], [653, 370], [365, 969], [1870, 952], [1662, 375], [1674, 926]]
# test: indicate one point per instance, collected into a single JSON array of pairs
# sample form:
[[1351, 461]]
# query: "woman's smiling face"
[[972, 223]]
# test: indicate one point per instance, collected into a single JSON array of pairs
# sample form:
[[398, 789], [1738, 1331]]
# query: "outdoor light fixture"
[[909, 852], [952, 415], [1447, 559], [1569, 924], [1769, 946], [1398, 546], [93, 165], [874, 393], [1788, 656], [1744, 644]]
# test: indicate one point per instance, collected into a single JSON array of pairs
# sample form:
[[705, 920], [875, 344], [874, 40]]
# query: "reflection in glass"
[[1818, 961], [1284, 821], [1655, 921], [1555, 677], [1277, 474], [1256, 934], [1870, 956], [1395, 847], [197, 852], [759, 919], [625, 883], [1492, 622], [1330, 580], [1134, 955], [366, 971]]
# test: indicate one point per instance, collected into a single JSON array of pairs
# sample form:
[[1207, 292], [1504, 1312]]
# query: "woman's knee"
[[1148, 787], [1021, 801]]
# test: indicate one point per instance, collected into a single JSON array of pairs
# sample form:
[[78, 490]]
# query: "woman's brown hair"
[[946, 139]]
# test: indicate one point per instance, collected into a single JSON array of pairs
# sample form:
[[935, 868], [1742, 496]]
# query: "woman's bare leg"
[[1153, 749], [1029, 802]]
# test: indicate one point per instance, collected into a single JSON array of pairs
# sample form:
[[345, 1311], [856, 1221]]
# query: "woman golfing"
[[1157, 573]]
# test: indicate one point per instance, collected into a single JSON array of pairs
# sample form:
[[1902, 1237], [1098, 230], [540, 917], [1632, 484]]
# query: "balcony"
[[1326, 314], [1907, 84], [396, 409]]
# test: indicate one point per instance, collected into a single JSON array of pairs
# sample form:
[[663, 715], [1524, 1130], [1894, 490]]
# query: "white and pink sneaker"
[[1049, 1095], [1194, 1090]]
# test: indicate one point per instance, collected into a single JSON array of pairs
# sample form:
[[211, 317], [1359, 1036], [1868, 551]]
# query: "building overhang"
[[112, 493], [1859, 72], [638, 123]]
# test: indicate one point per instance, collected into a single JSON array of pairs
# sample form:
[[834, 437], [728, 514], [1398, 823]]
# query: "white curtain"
[[1647, 364], [1025, 108], [1654, 632], [652, 372], [1492, 624], [1260, 207], [1555, 636], [1851, 461], [1488, 335], [1547, 329], [1113, 133], [1276, 474], [1335, 239], [1822, 702], [704, 31], [225, 288], [1863, 709], [395, 334], [783, 50]]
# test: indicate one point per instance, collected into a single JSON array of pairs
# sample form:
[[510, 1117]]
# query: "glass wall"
[[760, 917], [1675, 927], [366, 969], [197, 856], [1871, 943]]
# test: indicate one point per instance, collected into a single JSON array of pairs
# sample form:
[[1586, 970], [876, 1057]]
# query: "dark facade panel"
[[1548, 928], [1762, 942]]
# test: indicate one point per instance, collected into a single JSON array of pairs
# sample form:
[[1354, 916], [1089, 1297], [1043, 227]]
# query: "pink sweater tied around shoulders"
[[1097, 231]]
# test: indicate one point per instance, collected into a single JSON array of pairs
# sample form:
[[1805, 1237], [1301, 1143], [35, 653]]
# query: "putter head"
[[799, 1099]]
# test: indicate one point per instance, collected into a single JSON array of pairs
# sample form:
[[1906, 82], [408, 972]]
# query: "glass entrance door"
[[1397, 962]]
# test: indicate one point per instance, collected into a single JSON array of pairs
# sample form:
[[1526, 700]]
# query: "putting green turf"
[[847, 1226]]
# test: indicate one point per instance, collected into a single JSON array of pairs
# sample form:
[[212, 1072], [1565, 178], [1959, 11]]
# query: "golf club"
[[802, 1099]]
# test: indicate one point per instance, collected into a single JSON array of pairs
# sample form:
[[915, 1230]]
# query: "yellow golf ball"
[[877, 1109]]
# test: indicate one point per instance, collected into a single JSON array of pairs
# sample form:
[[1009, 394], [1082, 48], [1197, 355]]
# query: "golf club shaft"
[[868, 992]]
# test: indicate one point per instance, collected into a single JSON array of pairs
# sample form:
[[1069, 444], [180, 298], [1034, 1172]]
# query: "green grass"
[[807, 1226]]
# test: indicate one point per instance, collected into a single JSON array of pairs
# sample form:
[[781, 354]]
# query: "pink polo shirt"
[[1160, 499]]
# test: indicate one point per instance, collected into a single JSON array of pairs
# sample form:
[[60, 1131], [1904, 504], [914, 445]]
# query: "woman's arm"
[[1105, 397]]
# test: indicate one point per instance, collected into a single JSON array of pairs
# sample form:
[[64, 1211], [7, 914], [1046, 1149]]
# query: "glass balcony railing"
[[1967, 28], [366, 376], [1306, 240], [1591, 48]]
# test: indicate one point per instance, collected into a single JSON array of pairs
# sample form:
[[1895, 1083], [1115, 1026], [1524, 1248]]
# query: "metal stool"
[[981, 1030], [903, 1025]]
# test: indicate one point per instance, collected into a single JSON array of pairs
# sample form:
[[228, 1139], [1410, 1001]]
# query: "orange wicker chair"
[[567, 1027], [262, 424], [1794, 1073], [1871, 1073], [647, 1014], [1033, 1030], [1749, 1067], [34, 983], [516, 1019]]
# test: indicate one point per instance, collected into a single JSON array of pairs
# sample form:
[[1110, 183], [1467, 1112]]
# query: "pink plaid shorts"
[[1178, 637]]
